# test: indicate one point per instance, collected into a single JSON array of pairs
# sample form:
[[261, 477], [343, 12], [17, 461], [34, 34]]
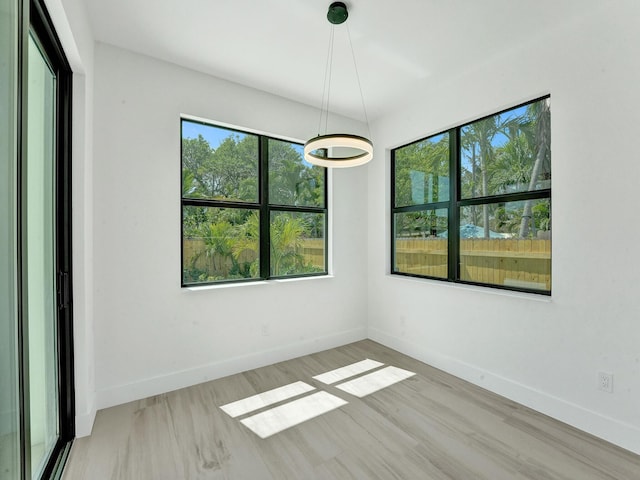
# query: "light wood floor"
[[429, 426]]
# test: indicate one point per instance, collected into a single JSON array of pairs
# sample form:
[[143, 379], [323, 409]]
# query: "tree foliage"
[[501, 154], [230, 237]]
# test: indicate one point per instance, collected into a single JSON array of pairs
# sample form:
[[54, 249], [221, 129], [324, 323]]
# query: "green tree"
[[248, 240], [541, 142], [422, 168], [286, 241], [199, 179], [477, 139], [291, 180], [287, 237], [496, 167], [235, 168], [422, 177], [230, 237]]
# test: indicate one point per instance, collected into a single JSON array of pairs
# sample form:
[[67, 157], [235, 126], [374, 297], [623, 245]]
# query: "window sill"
[[298, 279], [256, 283], [475, 288]]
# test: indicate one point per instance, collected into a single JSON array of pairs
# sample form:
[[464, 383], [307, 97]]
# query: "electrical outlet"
[[605, 382]]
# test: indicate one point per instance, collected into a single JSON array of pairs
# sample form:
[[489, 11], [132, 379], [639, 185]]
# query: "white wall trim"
[[154, 386], [619, 433], [84, 423]]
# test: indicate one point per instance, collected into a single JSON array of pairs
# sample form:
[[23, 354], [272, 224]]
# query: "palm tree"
[[248, 240], [541, 142], [286, 241], [219, 244], [477, 138], [287, 234]]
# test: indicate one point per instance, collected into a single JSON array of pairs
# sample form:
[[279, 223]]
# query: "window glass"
[[493, 184], [422, 172], [507, 244], [252, 208], [218, 163], [297, 243], [420, 243], [219, 244], [507, 153], [292, 180]]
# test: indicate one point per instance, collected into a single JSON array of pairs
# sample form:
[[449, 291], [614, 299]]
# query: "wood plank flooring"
[[430, 426]]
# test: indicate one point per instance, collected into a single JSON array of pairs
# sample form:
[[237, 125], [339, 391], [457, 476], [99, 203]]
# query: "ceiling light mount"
[[337, 13], [338, 150]]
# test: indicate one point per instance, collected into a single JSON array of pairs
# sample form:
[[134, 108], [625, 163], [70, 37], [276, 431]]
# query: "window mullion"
[[392, 230], [454, 207], [265, 214], [507, 197]]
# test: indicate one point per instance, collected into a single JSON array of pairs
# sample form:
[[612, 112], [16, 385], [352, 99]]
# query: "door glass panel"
[[40, 255], [9, 413]]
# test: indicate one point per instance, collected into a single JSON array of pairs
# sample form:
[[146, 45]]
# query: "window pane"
[[218, 163], [421, 243], [507, 153], [39, 269], [422, 172], [297, 243], [219, 244], [507, 244], [293, 181]]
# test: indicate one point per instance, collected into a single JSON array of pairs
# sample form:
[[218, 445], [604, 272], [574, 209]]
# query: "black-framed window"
[[252, 207], [473, 204]]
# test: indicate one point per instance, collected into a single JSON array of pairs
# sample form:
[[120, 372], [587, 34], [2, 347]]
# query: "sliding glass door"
[[40, 258], [36, 376]]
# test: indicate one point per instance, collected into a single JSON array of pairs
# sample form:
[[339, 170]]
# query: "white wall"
[[542, 352], [153, 336]]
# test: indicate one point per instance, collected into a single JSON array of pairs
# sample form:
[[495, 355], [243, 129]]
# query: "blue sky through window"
[[214, 135], [499, 139]]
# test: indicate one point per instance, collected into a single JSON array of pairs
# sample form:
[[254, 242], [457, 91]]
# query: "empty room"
[[304, 239]]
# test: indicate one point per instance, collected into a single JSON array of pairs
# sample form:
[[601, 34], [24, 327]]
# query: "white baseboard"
[[618, 433], [84, 423], [186, 378]]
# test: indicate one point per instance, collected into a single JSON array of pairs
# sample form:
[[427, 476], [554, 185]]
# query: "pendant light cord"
[[326, 87], [353, 55]]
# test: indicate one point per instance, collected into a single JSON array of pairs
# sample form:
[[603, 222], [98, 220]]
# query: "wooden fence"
[[195, 256], [524, 263]]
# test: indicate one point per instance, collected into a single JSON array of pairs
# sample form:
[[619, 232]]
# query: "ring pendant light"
[[338, 150]]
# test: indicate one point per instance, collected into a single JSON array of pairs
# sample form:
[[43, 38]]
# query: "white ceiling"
[[280, 46]]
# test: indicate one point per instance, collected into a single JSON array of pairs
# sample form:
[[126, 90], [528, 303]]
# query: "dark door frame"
[[35, 18]]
